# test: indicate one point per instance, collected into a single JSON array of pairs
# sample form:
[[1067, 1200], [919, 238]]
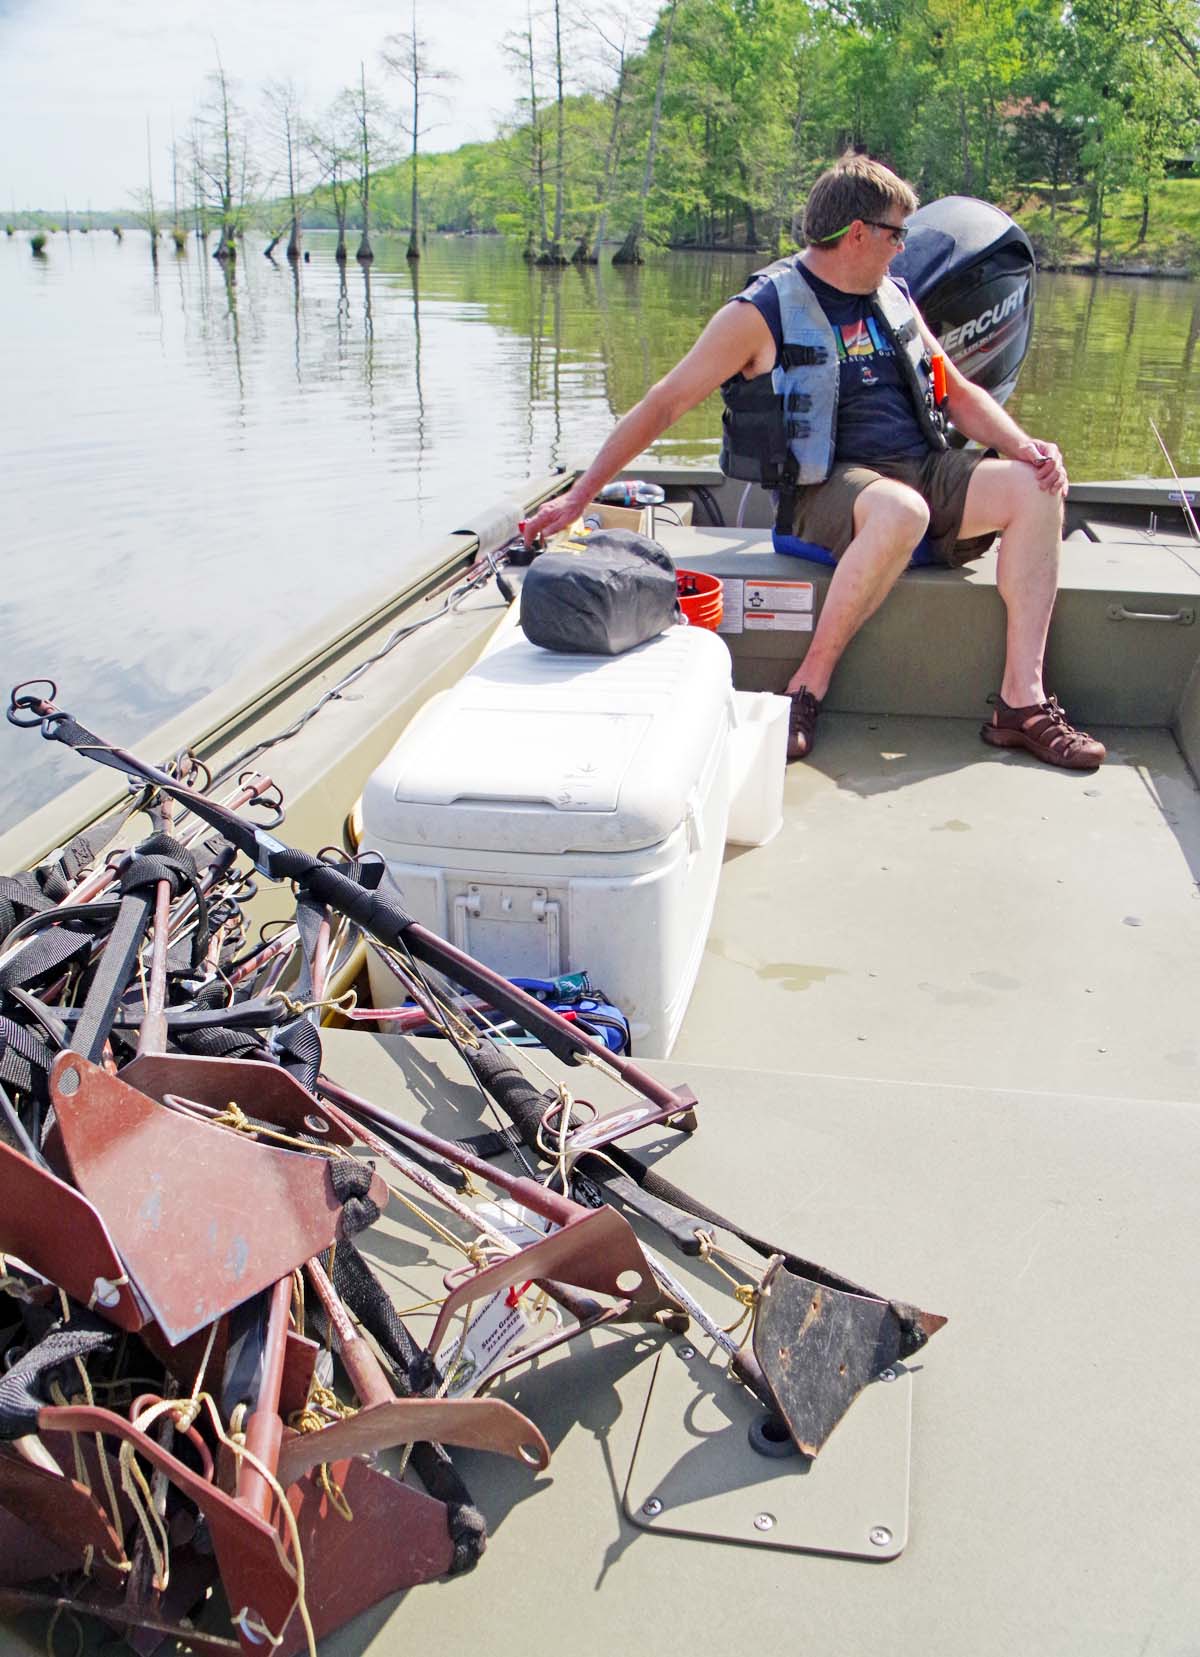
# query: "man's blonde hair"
[[853, 188]]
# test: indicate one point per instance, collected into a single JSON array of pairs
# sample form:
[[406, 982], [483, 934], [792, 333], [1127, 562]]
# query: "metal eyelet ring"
[[18, 704]]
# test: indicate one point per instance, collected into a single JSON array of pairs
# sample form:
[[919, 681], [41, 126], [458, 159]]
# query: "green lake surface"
[[197, 466]]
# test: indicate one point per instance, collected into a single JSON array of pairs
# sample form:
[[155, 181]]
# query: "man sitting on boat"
[[853, 402]]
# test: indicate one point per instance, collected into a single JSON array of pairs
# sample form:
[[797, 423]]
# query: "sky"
[[79, 78]]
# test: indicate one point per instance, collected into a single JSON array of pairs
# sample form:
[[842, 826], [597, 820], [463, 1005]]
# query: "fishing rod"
[[1183, 494]]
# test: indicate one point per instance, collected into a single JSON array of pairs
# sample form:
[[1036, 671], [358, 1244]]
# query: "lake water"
[[195, 467]]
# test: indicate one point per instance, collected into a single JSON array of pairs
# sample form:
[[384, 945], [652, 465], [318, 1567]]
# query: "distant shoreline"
[[1066, 267]]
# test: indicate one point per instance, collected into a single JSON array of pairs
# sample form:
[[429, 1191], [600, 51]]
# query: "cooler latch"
[[516, 927]]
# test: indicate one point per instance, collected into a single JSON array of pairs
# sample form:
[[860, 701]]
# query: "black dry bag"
[[617, 590]]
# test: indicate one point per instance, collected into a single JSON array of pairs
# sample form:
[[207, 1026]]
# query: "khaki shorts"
[[825, 511]]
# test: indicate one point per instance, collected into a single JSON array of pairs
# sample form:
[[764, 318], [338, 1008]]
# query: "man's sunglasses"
[[899, 233]]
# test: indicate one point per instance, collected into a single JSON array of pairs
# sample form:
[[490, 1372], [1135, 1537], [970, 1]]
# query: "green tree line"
[[704, 125], [996, 98]]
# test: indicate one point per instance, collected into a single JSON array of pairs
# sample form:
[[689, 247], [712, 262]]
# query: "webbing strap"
[[112, 975], [366, 1297], [52, 949], [24, 1060], [20, 1398]]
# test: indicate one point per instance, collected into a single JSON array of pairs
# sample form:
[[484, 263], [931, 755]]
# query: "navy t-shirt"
[[875, 413]]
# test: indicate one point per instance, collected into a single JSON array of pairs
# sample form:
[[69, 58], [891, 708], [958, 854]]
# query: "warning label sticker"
[[777, 596], [794, 621], [764, 606]]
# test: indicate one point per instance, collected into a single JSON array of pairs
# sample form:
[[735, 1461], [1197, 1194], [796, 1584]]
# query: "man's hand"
[[555, 515], [1047, 462]]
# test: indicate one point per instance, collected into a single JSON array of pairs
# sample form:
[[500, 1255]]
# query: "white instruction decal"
[[777, 596], [769, 621], [731, 599]]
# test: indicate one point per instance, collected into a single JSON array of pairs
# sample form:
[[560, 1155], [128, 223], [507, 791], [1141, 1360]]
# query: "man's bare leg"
[[1004, 495], [889, 520]]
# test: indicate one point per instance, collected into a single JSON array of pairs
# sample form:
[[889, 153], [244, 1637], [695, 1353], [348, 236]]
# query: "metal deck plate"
[[694, 1473]]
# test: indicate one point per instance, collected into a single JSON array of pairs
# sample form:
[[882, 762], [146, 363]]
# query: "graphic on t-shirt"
[[861, 339]]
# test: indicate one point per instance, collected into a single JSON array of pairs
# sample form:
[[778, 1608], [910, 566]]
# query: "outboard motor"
[[971, 270]]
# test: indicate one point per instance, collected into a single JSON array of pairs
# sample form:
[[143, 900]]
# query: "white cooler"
[[555, 813]]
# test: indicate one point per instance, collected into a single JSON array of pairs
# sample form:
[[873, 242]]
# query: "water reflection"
[[204, 459]]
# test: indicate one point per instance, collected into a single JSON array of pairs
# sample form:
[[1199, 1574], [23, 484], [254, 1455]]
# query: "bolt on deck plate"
[[694, 1473]]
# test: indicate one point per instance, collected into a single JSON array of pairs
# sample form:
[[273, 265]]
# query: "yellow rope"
[[234, 1441], [235, 1118], [90, 1396], [746, 1294], [133, 1483], [318, 1407], [344, 1003], [81, 1474], [51, 1643], [471, 1250]]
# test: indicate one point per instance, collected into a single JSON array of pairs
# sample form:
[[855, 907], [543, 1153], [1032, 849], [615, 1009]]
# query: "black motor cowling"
[[971, 270]]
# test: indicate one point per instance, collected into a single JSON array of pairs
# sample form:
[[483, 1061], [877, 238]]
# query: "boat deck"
[[944, 1040], [937, 910], [1026, 1466]]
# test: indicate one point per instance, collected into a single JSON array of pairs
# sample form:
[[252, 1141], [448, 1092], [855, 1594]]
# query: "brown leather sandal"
[[1044, 731], [802, 724]]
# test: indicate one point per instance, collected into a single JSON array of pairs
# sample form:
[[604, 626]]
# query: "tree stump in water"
[[629, 253]]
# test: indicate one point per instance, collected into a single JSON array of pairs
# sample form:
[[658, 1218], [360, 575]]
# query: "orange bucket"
[[700, 598]]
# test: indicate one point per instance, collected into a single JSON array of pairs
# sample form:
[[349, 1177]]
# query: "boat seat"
[[1124, 641]]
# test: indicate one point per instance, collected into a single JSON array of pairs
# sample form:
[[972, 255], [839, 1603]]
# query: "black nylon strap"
[[219, 1043], [358, 1286], [298, 1046], [351, 1181], [47, 953], [21, 1389], [20, 895], [162, 858], [24, 1060], [113, 974]]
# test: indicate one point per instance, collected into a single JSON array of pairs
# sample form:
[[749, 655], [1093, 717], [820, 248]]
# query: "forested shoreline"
[[1084, 122], [706, 127]]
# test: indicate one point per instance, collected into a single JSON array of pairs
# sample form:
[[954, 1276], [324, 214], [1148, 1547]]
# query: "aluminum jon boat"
[[921, 1010], [942, 1036]]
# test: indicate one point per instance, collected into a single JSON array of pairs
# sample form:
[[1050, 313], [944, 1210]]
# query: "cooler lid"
[[537, 752]]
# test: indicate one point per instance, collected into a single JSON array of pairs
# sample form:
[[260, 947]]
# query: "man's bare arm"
[[736, 341], [979, 416]]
